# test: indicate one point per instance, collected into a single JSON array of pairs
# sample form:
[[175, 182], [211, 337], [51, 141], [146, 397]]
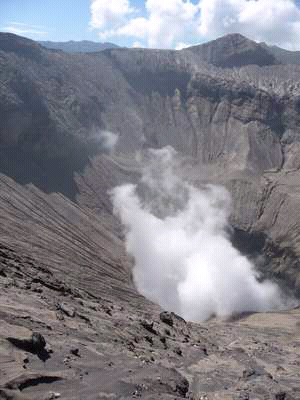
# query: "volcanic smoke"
[[178, 235]]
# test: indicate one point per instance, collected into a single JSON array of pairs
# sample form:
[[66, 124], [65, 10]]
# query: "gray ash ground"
[[101, 349]]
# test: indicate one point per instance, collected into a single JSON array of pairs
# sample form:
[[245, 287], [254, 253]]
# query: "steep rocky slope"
[[236, 123], [64, 275], [234, 51]]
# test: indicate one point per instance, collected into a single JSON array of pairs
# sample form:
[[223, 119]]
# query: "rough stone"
[[166, 317], [280, 396], [149, 326], [67, 309], [38, 341], [182, 386]]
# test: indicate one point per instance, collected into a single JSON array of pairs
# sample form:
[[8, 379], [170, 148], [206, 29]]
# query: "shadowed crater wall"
[[229, 106]]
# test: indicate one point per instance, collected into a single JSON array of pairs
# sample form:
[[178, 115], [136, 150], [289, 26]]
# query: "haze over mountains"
[[282, 56], [83, 46], [81, 124]]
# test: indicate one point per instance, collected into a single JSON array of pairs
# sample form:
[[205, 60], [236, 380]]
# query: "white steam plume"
[[106, 139], [178, 236], [109, 139]]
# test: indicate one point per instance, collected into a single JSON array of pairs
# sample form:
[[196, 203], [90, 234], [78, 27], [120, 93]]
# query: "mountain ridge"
[[233, 50], [84, 46]]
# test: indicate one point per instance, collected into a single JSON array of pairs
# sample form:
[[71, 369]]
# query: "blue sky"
[[153, 23], [57, 20]]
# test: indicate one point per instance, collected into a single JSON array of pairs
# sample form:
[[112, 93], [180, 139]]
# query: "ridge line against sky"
[[154, 23]]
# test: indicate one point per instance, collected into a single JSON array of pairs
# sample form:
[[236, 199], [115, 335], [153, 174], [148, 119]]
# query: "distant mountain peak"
[[11, 41], [20, 45], [233, 50], [83, 46]]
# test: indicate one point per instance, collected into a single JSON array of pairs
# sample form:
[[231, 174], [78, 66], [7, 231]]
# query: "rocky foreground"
[[65, 278]]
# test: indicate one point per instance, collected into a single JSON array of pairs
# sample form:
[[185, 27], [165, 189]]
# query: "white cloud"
[[22, 29], [170, 23], [169, 20], [276, 22], [109, 13], [15, 23], [137, 45], [166, 21], [181, 45], [135, 27]]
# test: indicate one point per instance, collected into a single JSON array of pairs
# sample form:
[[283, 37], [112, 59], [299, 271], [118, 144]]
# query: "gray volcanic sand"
[[63, 275]]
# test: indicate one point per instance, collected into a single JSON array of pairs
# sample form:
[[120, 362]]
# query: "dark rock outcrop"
[[166, 317]]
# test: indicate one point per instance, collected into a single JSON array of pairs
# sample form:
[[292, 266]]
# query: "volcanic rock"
[[38, 342], [75, 351], [149, 326], [67, 309], [166, 317], [182, 386], [280, 396]]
